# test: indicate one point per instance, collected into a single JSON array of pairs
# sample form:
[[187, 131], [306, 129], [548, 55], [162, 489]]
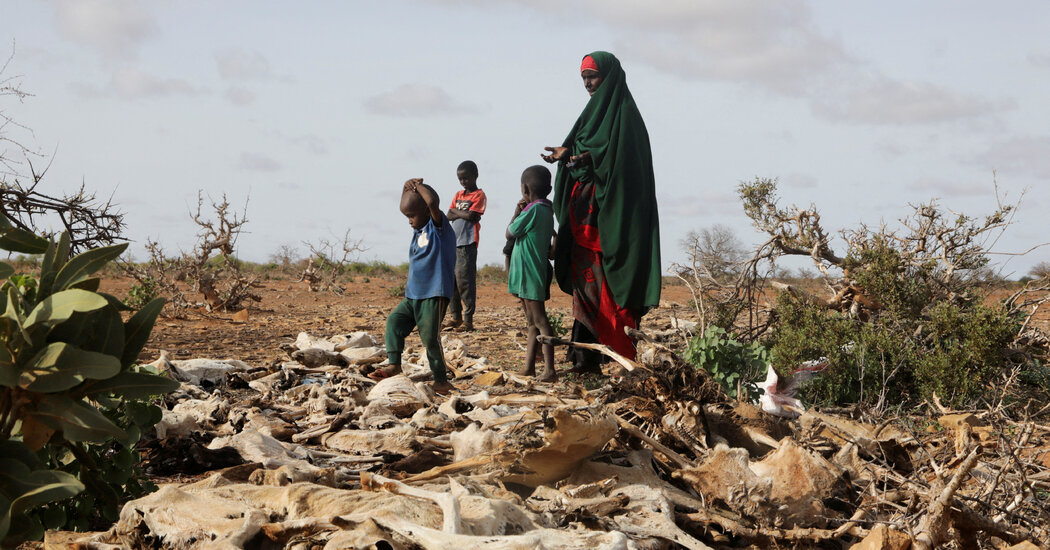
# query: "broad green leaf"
[[137, 330], [8, 370], [61, 366], [91, 284], [60, 306], [13, 313], [6, 270], [82, 266], [28, 488], [61, 252], [77, 420], [101, 330], [115, 302], [5, 517], [133, 385], [54, 259], [47, 263], [20, 240]]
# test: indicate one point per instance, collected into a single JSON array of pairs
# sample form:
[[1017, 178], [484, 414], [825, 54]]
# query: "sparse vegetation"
[[907, 317], [736, 366], [73, 401]]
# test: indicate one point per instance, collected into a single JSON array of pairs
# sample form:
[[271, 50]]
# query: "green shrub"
[[492, 273], [557, 323], [142, 293], [953, 350], [397, 290], [731, 363], [73, 402]]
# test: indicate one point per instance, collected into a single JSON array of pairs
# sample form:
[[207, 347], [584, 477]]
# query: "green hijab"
[[611, 129]]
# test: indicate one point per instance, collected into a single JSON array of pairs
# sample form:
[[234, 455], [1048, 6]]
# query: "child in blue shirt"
[[431, 277]]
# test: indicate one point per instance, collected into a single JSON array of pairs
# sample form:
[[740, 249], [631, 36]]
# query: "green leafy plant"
[[730, 362], [73, 402], [142, 293], [558, 325], [397, 291]]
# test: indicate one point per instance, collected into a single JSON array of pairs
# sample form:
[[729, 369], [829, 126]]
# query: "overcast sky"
[[316, 112]]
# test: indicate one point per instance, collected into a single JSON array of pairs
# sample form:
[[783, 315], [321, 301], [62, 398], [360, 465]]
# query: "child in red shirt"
[[465, 213]]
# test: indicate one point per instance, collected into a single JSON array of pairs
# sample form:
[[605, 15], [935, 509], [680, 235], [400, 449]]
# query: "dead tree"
[[725, 284], [90, 222], [328, 262], [210, 269], [945, 251]]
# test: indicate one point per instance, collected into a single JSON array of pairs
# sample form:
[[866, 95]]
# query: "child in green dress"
[[529, 277]]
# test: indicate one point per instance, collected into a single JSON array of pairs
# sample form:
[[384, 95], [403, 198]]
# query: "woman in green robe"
[[607, 252]]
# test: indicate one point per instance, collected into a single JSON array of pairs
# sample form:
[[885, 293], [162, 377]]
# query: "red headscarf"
[[588, 63]]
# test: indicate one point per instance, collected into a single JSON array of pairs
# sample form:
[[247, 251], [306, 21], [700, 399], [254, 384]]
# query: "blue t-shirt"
[[432, 261]]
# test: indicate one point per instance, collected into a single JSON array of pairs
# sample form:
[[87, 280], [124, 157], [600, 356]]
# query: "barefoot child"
[[529, 277], [465, 214], [431, 264]]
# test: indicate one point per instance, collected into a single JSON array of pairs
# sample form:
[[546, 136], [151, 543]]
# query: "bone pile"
[[309, 453]]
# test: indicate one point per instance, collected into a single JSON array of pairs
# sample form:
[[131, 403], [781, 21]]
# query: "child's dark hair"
[[469, 167], [537, 179]]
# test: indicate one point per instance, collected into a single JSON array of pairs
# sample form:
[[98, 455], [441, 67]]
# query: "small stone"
[[490, 378], [884, 538]]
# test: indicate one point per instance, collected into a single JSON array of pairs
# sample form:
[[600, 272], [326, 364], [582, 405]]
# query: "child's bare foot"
[[442, 388], [453, 323], [528, 371], [385, 372], [468, 327], [547, 375]]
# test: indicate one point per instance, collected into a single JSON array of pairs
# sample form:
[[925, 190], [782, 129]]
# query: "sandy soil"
[[288, 308]]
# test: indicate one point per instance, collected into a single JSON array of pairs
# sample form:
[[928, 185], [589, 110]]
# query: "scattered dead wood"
[[656, 456]]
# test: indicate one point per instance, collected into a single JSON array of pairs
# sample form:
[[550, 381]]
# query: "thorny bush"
[[908, 314]]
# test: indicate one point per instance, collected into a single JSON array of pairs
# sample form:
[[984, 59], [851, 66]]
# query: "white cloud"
[[258, 162], [773, 47], [886, 101], [1021, 155], [415, 100], [116, 28], [242, 65], [313, 143], [1040, 60], [799, 181], [948, 189], [693, 205], [239, 96], [131, 83]]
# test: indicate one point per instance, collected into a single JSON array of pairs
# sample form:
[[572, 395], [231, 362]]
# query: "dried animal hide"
[[316, 357], [785, 488], [473, 441], [193, 415], [215, 513], [400, 440], [206, 373], [401, 395], [272, 454], [569, 437]]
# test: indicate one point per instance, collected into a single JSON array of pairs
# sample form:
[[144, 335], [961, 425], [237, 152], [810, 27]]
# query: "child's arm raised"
[[430, 198]]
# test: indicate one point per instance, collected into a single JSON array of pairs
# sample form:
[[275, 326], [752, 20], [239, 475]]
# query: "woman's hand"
[[557, 154], [583, 159]]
